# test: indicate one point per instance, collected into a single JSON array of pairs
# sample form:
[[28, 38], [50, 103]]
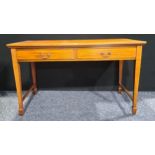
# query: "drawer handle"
[[105, 54], [45, 56], [102, 53]]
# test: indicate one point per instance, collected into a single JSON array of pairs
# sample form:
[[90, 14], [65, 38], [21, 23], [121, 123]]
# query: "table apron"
[[76, 54]]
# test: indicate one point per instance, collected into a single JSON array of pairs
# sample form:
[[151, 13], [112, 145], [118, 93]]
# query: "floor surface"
[[77, 106]]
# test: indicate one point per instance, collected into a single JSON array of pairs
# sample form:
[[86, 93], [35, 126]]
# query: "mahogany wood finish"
[[76, 50]]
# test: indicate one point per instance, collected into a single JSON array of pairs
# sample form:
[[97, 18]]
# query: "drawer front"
[[107, 53], [45, 54]]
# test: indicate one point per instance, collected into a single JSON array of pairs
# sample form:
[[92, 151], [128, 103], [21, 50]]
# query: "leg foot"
[[134, 110], [21, 112], [34, 91], [119, 90]]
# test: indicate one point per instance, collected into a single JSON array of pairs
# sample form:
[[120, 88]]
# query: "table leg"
[[34, 81], [136, 78], [17, 75], [121, 62]]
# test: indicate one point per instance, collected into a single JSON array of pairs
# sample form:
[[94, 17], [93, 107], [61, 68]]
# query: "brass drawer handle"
[[44, 55], [102, 53], [105, 53]]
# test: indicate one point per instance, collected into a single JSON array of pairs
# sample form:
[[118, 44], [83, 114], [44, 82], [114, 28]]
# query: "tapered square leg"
[[121, 63], [17, 75], [34, 81], [136, 78]]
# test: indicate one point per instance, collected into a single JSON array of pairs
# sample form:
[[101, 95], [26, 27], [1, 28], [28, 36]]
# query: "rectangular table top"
[[66, 43]]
